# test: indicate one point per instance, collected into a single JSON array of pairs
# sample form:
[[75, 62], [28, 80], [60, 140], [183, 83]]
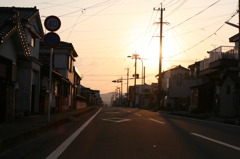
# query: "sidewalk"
[[21, 130]]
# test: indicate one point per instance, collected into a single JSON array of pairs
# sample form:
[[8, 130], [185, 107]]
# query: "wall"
[[227, 99], [7, 49]]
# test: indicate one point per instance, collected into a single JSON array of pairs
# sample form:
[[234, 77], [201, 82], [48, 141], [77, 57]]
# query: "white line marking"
[[157, 121], [116, 120], [206, 121], [60, 149], [216, 141], [138, 114], [111, 112]]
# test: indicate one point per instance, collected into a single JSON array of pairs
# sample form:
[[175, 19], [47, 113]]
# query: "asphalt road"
[[126, 133]]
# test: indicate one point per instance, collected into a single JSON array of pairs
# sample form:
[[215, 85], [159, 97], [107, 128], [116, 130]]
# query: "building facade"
[[20, 34], [217, 92]]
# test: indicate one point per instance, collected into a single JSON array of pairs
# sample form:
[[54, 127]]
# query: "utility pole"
[[135, 80], [135, 56], [121, 91], [143, 90], [160, 52], [237, 120], [127, 87]]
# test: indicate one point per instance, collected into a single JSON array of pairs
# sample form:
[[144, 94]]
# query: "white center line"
[[216, 141], [156, 121], [60, 149]]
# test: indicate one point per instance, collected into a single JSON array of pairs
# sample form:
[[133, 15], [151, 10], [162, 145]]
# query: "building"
[[217, 92], [79, 100], [25, 65], [176, 83], [145, 96], [20, 34], [65, 76], [93, 96]]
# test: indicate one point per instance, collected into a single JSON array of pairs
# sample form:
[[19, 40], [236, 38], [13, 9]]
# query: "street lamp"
[[136, 56]]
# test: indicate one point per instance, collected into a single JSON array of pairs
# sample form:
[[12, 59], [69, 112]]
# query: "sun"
[[151, 53]]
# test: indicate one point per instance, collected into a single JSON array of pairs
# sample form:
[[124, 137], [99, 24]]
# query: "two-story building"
[[20, 33], [63, 86], [217, 91], [176, 83]]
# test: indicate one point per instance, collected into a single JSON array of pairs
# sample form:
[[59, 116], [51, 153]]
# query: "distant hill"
[[107, 98]]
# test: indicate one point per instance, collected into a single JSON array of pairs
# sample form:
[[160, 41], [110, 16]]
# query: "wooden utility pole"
[[127, 87], [135, 79], [160, 53]]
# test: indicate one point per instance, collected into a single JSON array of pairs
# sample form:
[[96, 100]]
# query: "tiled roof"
[[9, 17], [24, 13], [10, 20], [6, 25], [68, 45], [63, 44]]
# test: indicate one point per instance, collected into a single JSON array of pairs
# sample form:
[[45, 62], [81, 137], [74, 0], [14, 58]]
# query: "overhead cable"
[[194, 15]]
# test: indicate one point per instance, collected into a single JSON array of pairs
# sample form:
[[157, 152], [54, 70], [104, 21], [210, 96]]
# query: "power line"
[[74, 26], [54, 5], [194, 15], [166, 5], [90, 16], [204, 38], [90, 7], [175, 9]]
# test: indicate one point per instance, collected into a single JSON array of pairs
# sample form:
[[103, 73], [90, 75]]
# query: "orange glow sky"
[[105, 32]]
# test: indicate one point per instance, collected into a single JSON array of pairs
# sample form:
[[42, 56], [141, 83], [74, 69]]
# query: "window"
[[70, 64]]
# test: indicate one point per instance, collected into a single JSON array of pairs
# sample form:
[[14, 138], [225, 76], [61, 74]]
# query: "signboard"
[[52, 23], [51, 40]]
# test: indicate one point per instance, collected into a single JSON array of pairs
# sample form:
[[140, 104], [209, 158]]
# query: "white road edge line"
[[156, 121], [206, 121], [61, 148], [216, 141]]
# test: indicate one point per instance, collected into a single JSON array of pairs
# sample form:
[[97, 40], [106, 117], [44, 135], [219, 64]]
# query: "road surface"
[[127, 133]]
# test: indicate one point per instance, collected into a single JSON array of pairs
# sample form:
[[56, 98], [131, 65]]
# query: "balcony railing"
[[223, 55], [204, 64], [223, 52]]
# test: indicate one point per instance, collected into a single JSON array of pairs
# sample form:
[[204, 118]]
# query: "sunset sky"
[[105, 32]]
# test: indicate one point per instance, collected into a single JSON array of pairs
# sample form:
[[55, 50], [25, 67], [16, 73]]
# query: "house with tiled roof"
[[20, 34], [64, 88]]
